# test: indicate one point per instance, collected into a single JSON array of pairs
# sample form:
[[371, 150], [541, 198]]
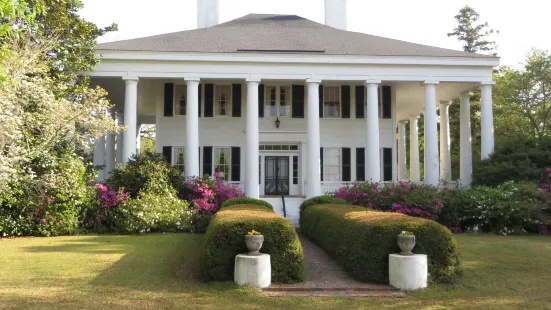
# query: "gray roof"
[[261, 33]]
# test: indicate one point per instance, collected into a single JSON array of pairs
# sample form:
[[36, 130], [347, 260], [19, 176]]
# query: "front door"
[[276, 181]]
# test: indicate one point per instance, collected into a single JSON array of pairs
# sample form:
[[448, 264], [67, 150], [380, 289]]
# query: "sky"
[[522, 25]]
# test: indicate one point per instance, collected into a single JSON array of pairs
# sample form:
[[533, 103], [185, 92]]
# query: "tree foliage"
[[524, 96], [474, 35]]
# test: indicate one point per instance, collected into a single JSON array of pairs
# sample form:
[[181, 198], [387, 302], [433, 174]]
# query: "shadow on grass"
[[149, 262]]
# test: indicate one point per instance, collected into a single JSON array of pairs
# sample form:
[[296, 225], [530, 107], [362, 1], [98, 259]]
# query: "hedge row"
[[224, 239], [361, 240], [246, 201]]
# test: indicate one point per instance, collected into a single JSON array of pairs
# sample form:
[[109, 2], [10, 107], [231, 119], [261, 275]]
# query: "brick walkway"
[[324, 277]]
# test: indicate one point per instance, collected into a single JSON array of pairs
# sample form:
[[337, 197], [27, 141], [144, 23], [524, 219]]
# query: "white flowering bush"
[[158, 210]]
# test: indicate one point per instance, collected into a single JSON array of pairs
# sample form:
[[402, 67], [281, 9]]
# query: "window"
[[331, 101], [222, 162], [277, 101], [379, 102], [180, 98], [284, 108], [332, 161], [271, 101], [222, 102], [278, 147], [178, 155]]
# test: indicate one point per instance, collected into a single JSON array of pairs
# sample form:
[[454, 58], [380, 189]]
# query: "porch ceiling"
[[410, 96]]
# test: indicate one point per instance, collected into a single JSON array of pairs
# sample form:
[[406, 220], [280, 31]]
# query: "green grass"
[[160, 271]]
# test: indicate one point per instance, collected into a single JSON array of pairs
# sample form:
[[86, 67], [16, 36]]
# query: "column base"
[[408, 272], [255, 271]]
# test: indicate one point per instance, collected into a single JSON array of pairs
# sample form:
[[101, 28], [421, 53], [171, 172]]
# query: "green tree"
[[474, 35], [524, 96]]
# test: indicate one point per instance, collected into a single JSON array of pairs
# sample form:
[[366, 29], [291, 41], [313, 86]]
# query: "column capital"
[[130, 79], [192, 79], [430, 82], [468, 93], [371, 81], [253, 80], [415, 117], [490, 83], [403, 121], [445, 102], [313, 81]]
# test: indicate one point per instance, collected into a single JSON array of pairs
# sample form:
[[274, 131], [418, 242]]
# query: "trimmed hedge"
[[224, 239], [246, 201], [318, 200], [361, 240]]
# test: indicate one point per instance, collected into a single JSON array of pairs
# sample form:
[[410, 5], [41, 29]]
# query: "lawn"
[[160, 271]]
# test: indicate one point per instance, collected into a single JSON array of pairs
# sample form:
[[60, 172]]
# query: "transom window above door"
[[277, 101], [331, 101], [223, 100], [180, 99]]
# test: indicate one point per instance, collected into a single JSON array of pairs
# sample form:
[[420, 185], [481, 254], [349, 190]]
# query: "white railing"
[[238, 183]]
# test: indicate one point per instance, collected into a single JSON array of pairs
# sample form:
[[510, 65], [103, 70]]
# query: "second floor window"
[[277, 101], [331, 101], [180, 98], [223, 98]]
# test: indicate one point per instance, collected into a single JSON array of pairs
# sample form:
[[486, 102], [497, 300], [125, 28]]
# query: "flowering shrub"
[[403, 197], [101, 215], [206, 196]]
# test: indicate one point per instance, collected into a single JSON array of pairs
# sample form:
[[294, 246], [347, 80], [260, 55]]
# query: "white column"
[[99, 157], [402, 168], [414, 170], [130, 118], [119, 120], [109, 153], [251, 168], [138, 139], [313, 179], [466, 158], [487, 119], [432, 165], [372, 150], [192, 128], [445, 155]]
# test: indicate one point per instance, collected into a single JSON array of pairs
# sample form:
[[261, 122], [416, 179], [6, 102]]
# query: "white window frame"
[[217, 88], [379, 99], [268, 101], [325, 100], [328, 166], [176, 151], [178, 101], [215, 163]]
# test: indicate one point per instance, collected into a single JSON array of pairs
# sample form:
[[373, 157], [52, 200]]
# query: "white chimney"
[[335, 14], [207, 13]]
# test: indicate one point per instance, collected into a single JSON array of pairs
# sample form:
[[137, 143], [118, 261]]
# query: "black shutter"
[[387, 164], [345, 96], [167, 153], [321, 100], [360, 164], [207, 160], [209, 100], [235, 163], [236, 100], [298, 101], [360, 100], [387, 102], [200, 95], [261, 100], [321, 164], [346, 164], [169, 99]]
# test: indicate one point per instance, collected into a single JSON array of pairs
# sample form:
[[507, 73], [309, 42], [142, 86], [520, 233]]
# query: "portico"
[[338, 112]]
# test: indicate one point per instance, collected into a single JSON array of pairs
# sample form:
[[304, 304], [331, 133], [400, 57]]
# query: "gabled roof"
[[262, 33]]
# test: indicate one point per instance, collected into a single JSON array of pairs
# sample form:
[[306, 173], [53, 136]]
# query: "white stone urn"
[[254, 244], [406, 244]]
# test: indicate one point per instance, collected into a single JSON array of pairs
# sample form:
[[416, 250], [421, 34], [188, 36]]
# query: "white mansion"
[[284, 105]]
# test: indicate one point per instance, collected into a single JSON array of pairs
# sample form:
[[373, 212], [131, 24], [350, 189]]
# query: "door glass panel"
[[276, 175]]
